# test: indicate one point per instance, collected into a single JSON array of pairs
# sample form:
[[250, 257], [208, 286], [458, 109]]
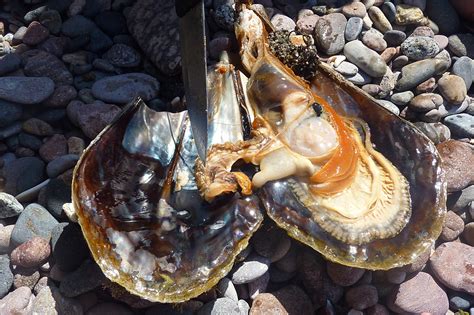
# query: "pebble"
[[365, 58], [463, 67], [360, 78], [6, 276], [37, 127], [407, 15], [389, 53], [5, 234], [394, 37], [9, 206], [288, 300], [426, 102], [374, 40], [57, 193], [61, 96], [343, 275], [22, 174], [468, 234], [389, 10], [35, 34], [461, 125], [164, 50], [354, 9], [17, 302], [422, 31], [437, 132], [442, 41], [33, 221], [77, 25], [347, 68], [25, 277], [60, 164], [226, 288], [353, 28], [419, 47], [32, 253], [380, 20], [461, 200], [427, 86], [84, 279], [48, 65], [458, 303], [92, 118], [125, 87], [362, 297], [451, 263], [70, 249], [417, 295], [122, 55], [251, 269], [53, 147], [457, 157], [462, 45], [75, 145], [9, 63], [418, 72], [51, 19], [50, 301], [443, 14], [25, 90], [306, 24], [452, 227], [402, 98], [389, 106], [220, 306], [453, 88], [329, 33], [282, 22]]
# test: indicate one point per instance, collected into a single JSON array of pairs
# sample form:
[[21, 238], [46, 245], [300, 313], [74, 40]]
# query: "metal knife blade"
[[193, 53]]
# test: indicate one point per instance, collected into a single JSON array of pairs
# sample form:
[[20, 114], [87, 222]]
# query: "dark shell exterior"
[[158, 241], [407, 148]]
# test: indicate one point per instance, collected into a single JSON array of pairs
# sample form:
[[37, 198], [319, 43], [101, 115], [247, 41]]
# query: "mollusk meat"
[[329, 165], [321, 177]]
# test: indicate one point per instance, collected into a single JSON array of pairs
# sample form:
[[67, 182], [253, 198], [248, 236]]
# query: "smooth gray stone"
[[389, 106], [33, 221], [9, 63], [6, 275], [124, 88], [365, 58], [22, 174], [417, 72], [463, 67], [402, 98], [250, 269], [220, 306], [360, 78], [9, 206], [9, 113], [61, 164], [26, 90], [461, 125], [353, 28]]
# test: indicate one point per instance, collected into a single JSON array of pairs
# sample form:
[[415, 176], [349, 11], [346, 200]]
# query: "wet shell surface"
[[144, 221]]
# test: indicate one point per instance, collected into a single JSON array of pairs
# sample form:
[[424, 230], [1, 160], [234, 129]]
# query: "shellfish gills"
[[321, 178], [141, 214]]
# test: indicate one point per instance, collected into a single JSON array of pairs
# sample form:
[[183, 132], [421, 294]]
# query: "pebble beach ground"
[[67, 67]]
